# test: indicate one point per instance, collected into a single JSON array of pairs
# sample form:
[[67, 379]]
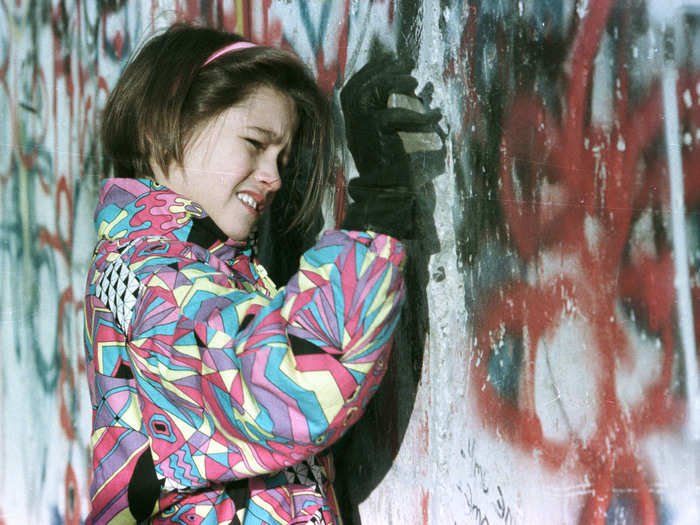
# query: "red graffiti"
[[340, 199], [571, 192], [332, 76], [463, 68], [72, 497], [425, 505]]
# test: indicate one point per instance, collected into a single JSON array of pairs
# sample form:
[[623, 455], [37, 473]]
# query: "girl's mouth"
[[248, 200]]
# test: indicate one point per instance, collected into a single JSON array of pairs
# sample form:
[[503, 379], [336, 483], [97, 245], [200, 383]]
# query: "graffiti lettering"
[[476, 468], [479, 473], [473, 510], [503, 510]]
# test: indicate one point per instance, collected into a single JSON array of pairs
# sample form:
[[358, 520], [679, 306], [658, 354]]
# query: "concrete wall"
[[546, 366]]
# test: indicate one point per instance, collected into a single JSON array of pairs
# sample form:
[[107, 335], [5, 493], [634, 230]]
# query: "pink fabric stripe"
[[227, 49]]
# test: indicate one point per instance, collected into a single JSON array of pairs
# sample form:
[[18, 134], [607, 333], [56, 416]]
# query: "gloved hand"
[[383, 194]]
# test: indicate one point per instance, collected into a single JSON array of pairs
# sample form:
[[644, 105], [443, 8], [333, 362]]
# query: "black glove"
[[383, 194]]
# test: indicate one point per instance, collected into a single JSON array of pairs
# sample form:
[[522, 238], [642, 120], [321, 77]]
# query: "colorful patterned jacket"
[[211, 390]]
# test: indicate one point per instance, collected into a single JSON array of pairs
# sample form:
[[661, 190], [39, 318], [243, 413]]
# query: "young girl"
[[214, 392]]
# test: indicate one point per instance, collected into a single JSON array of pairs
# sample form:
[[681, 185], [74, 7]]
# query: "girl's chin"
[[238, 233], [237, 224], [238, 236]]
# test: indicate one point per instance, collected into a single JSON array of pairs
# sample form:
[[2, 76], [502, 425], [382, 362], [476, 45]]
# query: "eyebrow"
[[270, 135]]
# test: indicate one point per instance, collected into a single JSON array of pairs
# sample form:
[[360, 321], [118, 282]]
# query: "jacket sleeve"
[[277, 378]]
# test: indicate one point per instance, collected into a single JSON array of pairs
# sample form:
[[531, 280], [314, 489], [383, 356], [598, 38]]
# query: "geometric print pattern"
[[317, 519], [118, 288], [308, 473], [204, 377]]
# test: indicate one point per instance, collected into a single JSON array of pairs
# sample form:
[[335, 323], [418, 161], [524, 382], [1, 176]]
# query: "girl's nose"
[[268, 174]]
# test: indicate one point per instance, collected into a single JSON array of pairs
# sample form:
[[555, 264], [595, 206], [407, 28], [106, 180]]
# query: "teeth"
[[250, 201]]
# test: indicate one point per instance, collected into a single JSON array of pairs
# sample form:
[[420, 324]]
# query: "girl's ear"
[[158, 174], [173, 179]]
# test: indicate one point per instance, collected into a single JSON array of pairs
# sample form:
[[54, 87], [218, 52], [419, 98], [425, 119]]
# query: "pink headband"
[[227, 49]]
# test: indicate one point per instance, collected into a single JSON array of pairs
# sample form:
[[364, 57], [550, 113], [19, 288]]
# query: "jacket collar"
[[132, 208]]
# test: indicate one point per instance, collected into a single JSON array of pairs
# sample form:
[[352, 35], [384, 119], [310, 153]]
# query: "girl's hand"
[[383, 194]]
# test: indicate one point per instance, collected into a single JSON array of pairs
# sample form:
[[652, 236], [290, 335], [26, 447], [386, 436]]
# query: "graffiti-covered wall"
[[545, 368]]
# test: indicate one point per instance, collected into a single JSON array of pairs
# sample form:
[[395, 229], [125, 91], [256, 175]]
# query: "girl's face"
[[231, 165]]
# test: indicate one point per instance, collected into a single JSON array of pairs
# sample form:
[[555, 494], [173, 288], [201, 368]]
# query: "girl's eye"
[[255, 143]]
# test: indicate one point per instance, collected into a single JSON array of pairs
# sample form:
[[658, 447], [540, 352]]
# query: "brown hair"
[[165, 93]]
